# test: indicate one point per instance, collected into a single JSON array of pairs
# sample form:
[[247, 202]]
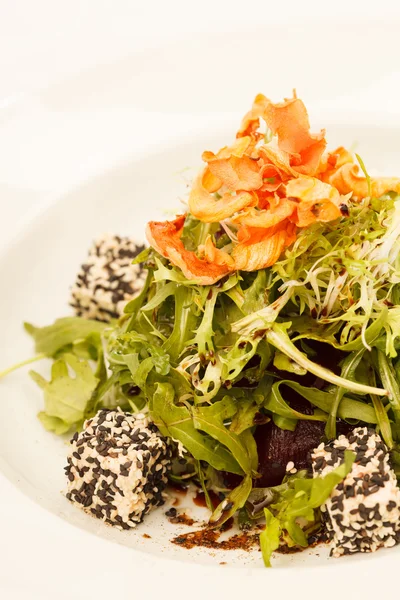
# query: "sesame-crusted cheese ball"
[[107, 280], [363, 512], [117, 467]]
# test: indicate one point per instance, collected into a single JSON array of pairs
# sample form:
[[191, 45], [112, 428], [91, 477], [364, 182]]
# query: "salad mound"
[[261, 191], [273, 301]]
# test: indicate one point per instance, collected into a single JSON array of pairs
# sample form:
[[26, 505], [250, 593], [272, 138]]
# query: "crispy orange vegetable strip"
[[289, 121], [266, 218], [347, 179], [236, 173], [261, 248], [317, 201], [215, 255], [210, 182], [333, 161], [265, 191], [251, 121], [279, 159], [165, 236], [233, 167], [206, 208]]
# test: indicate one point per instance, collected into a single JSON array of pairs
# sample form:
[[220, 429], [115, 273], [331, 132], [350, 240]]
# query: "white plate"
[[83, 144]]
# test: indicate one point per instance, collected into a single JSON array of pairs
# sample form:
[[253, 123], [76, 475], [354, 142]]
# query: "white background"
[[44, 41]]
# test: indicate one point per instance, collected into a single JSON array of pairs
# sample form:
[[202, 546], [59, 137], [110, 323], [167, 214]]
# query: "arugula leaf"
[[53, 424], [348, 408], [21, 364], [133, 306], [210, 419], [278, 337], [284, 422], [203, 485], [270, 537], [380, 410], [318, 490], [163, 273], [185, 322], [68, 330], [387, 375], [161, 295], [235, 500], [143, 256], [248, 441], [65, 397], [277, 405], [284, 363], [348, 371], [177, 422], [299, 498], [244, 417]]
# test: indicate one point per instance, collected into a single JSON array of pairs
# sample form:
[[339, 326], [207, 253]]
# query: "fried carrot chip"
[[165, 236], [317, 201], [289, 121], [383, 185], [298, 150], [347, 180], [210, 183], [330, 163], [261, 248], [216, 256], [276, 213], [236, 173], [279, 159], [233, 167], [251, 121], [261, 191], [205, 207]]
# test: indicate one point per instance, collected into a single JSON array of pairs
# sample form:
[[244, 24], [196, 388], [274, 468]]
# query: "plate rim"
[[152, 560]]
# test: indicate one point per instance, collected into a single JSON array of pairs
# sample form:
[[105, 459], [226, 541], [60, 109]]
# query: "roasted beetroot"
[[276, 447]]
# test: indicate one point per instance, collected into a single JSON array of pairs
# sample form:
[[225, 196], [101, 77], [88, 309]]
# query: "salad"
[[259, 358]]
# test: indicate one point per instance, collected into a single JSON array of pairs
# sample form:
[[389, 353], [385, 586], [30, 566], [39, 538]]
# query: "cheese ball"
[[117, 467], [107, 279], [363, 512]]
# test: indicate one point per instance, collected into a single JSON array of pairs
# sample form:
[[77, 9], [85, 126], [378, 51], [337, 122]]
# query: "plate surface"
[[95, 148], [39, 270]]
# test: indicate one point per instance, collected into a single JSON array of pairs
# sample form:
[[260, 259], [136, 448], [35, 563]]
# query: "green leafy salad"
[[212, 364]]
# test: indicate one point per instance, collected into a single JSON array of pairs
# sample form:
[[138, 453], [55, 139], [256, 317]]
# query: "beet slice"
[[276, 447]]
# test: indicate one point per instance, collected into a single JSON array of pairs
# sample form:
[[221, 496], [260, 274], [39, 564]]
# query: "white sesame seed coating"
[[117, 467], [363, 512], [107, 280]]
